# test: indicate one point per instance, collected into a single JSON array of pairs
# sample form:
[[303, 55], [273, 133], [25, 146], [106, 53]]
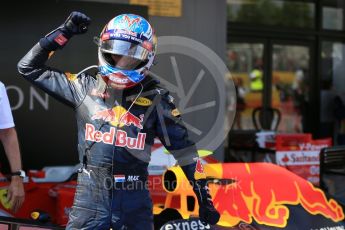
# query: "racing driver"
[[119, 110]]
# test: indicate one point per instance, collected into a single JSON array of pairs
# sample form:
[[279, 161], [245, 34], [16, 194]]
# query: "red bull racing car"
[[248, 196]]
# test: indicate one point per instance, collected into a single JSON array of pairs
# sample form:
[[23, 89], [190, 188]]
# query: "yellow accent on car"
[[157, 208], [198, 176], [201, 152], [204, 153], [35, 215], [3, 199], [177, 185]]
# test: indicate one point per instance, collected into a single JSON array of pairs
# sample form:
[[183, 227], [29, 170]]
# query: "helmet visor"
[[125, 48], [123, 62]]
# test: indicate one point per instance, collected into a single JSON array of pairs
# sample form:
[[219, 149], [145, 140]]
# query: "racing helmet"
[[126, 50]]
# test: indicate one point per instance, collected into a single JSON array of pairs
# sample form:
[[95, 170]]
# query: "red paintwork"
[[56, 199]]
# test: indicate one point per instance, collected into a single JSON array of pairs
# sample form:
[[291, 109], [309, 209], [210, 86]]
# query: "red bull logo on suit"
[[119, 117]]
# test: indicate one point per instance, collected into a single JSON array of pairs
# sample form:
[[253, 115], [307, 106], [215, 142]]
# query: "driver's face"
[[125, 62]]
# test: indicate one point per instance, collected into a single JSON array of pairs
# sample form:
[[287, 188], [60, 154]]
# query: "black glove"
[[76, 23], [207, 213]]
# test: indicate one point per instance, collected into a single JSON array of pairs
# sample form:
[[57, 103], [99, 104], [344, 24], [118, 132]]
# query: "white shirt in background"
[[6, 119]]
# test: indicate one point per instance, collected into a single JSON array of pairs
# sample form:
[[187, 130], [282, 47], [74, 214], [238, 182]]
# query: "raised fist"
[[76, 23]]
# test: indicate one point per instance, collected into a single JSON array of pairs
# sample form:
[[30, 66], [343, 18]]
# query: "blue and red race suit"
[[116, 130]]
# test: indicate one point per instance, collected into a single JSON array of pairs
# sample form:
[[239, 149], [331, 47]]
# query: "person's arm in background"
[[15, 192], [174, 136], [8, 137]]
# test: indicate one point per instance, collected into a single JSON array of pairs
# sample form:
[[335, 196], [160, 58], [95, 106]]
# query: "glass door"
[[291, 79], [271, 74], [245, 62], [332, 94]]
